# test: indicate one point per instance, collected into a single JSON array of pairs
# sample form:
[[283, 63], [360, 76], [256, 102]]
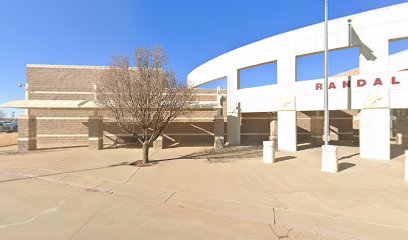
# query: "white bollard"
[[329, 159], [268, 152], [406, 166]]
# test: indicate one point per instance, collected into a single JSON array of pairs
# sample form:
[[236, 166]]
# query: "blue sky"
[[88, 32]]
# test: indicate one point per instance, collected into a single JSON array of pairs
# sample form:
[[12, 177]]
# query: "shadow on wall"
[[255, 127], [60, 147], [284, 158], [177, 134], [305, 146], [397, 150], [342, 129]]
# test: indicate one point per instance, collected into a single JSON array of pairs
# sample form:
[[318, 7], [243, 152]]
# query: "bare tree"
[[144, 98]]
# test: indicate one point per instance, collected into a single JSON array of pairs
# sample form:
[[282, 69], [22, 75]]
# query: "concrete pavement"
[[229, 194]]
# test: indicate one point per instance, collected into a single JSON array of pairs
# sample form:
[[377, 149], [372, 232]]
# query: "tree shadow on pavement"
[[66, 172], [226, 154]]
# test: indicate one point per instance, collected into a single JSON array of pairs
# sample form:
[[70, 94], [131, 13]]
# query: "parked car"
[[13, 126], [8, 126], [4, 127]]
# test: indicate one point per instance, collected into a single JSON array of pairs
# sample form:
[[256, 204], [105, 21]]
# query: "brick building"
[[61, 113], [368, 105]]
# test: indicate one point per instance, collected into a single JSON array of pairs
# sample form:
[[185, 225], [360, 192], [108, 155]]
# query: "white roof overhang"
[[51, 104], [81, 104]]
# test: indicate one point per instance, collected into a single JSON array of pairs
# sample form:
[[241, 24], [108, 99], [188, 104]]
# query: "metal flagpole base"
[[329, 159]]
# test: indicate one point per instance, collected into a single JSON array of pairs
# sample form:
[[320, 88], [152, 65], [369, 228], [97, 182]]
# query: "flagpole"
[[349, 31], [326, 91]]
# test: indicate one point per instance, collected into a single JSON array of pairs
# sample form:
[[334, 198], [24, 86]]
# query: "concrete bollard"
[[329, 158], [406, 166], [268, 152]]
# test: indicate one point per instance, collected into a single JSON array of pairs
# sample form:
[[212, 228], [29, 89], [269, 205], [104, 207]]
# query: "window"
[[396, 46], [260, 75], [222, 83], [309, 67]]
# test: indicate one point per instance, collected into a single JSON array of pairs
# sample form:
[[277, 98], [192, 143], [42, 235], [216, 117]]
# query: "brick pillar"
[[317, 128], [27, 133], [401, 127], [399, 138], [219, 131], [233, 109], [95, 132], [273, 136], [356, 129], [158, 143]]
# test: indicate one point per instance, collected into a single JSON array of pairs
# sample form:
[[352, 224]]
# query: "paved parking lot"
[[199, 193]]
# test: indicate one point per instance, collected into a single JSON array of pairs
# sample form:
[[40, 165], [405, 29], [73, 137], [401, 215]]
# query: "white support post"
[[375, 134], [287, 130]]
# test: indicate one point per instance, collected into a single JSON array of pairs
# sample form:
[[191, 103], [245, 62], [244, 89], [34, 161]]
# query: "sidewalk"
[[365, 200]]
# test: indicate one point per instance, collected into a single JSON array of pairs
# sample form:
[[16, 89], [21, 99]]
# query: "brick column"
[[356, 129], [233, 110], [158, 143], [273, 136], [219, 131], [95, 132], [401, 127], [27, 133], [317, 127], [399, 138]]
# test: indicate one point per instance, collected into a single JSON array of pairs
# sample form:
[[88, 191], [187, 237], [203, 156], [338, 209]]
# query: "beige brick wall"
[[401, 127], [62, 78], [255, 127], [70, 127]]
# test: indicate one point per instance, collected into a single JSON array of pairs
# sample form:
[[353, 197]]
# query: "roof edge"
[[65, 66]]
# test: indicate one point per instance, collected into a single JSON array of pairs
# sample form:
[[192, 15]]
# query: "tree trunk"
[[145, 157]]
